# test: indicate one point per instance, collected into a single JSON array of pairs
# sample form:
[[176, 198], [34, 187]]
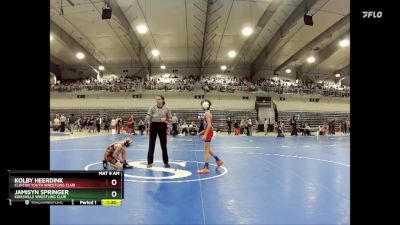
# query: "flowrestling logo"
[[372, 14]]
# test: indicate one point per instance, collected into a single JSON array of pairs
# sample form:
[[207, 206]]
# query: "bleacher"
[[315, 119], [219, 116]]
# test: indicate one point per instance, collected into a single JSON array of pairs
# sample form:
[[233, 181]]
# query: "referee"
[[159, 115]]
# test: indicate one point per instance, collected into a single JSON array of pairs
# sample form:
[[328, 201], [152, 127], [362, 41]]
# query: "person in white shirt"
[[266, 126], [56, 123], [113, 123], [63, 120], [250, 125], [174, 125], [185, 128]]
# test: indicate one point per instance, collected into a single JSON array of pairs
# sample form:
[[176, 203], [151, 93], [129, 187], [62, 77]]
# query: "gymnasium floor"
[[264, 180]]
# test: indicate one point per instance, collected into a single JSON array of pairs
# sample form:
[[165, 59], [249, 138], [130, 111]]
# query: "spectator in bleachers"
[[212, 83], [229, 122]]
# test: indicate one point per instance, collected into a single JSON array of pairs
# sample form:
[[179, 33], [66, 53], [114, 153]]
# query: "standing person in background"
[[246, 126], [280, 129], [229, 122], [266, 126], [141, 127], [343, 127], [98, 123], [113, 125], [56, 123], [348, 125], [63, 120], [174, 125], [329, 127], [237, 128], [241, 126], [147, 124], [256, 122], [119, 125], [87, 121], [276, 127], [106, 124], [180, 123], [71, 122], [250, 127], [159, 115], [294, 126], [91, 124], [129, 127]]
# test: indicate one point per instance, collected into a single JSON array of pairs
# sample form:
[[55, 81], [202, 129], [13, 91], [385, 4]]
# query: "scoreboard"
[[66, 188]]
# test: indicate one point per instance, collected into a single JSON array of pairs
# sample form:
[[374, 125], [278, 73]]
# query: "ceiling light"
[[231, 54], [142, 29], [80, 55], [344, 43], [311, 59], [247, 31], [155, 52]]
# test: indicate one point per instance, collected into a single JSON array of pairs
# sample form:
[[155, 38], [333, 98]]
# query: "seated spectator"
[[185, 128], [193, 128], [141, 127]]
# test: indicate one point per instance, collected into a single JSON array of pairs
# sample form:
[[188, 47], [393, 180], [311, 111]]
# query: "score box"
[[66, 187]]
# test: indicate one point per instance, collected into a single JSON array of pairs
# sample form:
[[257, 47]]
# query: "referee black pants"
[[160, 129]]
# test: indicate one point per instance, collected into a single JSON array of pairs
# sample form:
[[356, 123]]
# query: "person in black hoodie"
[[98, 123], [106, 124], [229, 122], [294, 126]]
